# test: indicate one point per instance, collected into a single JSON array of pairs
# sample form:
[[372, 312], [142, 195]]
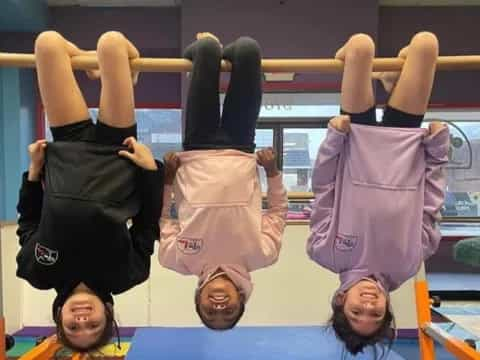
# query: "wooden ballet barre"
[[85, 62]]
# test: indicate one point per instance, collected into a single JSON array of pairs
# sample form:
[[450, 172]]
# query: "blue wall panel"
[[16, 132], [23, 15]]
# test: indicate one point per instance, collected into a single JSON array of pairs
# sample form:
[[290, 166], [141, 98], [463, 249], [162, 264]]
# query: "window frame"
[[279, 124]]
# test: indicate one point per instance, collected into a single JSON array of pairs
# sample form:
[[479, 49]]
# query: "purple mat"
[[37, 331], [407, 333]]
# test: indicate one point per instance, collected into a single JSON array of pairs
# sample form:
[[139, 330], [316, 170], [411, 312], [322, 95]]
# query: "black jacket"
[[73, 226]]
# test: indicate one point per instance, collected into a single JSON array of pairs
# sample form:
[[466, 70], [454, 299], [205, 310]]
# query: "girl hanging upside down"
[[221, 234], [81, 189], [379, 188]]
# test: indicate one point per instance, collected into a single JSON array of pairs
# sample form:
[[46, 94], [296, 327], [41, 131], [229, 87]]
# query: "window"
[[160, 129], [263, 140], [299, 130], [296, 143], [463, 170], [300, 147]]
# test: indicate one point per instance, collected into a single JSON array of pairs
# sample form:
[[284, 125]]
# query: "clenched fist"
[[267, 159]]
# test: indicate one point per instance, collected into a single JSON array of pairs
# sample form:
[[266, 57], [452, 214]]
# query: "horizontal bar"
[[460, 349], [85, 62]]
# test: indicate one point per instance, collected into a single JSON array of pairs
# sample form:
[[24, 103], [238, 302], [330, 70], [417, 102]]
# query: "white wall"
[[12, 288], [293, 292]]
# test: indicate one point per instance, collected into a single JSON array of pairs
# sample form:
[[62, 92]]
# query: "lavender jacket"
[[378, 195]]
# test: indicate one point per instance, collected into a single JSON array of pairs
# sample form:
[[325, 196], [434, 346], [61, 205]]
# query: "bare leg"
[[117, 103], [411, 93], [61, 96], [357, 91]]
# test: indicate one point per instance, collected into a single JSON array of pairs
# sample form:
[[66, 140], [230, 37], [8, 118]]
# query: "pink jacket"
[[220, 221]]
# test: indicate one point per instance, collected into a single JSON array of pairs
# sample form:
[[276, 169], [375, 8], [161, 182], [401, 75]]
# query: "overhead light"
[[279, 76]]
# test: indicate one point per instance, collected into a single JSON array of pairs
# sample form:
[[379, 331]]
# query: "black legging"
[[391, 118], [235, 128]]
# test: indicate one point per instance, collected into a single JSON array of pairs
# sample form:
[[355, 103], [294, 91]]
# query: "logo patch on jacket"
[[189, 246], [345, 242], [45, 256]]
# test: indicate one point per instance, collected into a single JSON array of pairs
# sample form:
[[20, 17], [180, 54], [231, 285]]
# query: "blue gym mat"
[[243, 343]]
